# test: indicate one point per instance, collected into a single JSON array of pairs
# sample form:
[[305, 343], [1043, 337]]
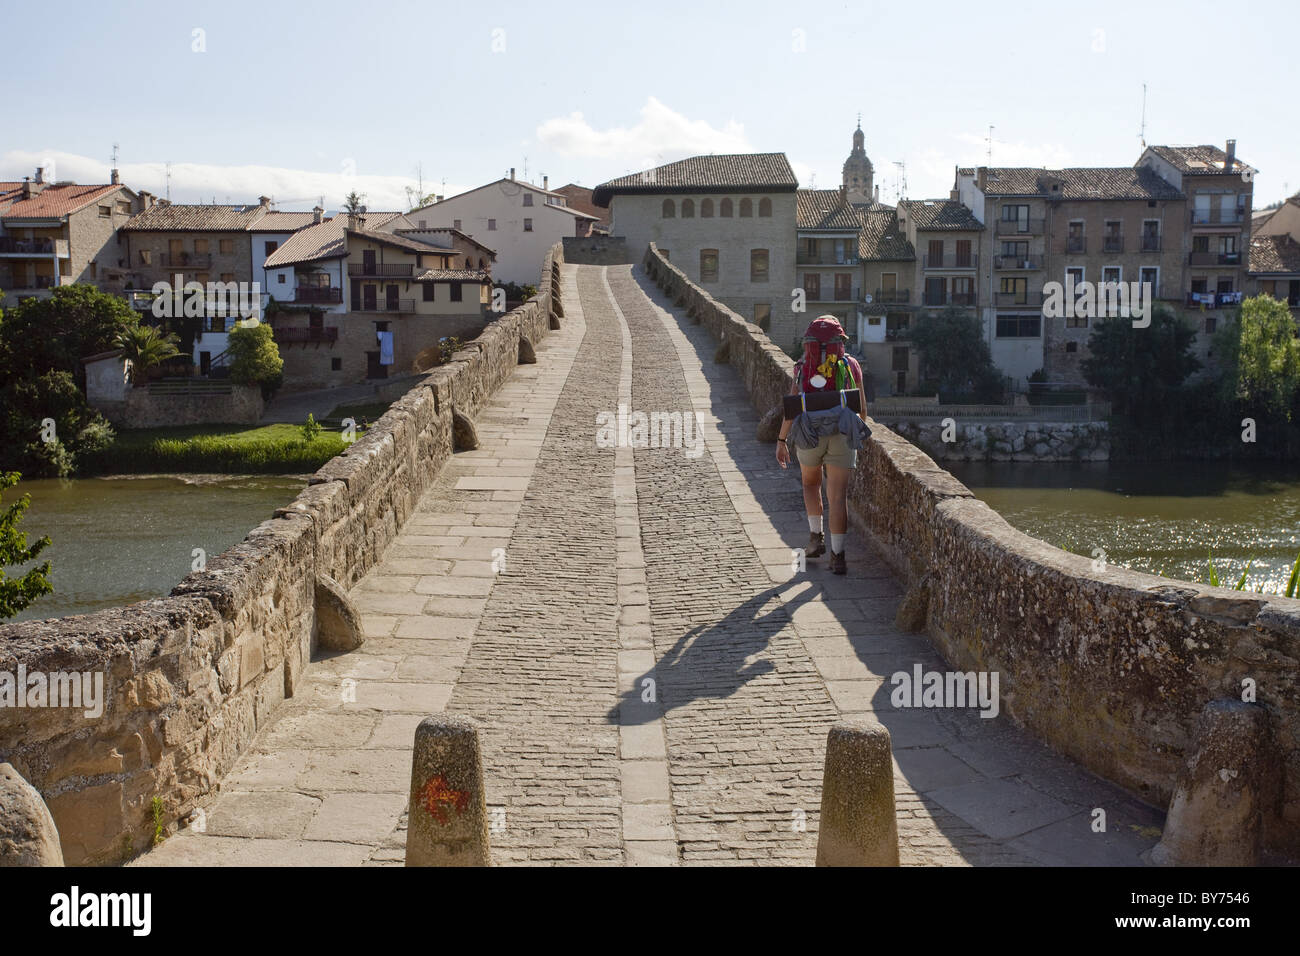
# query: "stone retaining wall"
[[1010, 441], [597, 250], [1109, 666], [243, 405], [190, 678]]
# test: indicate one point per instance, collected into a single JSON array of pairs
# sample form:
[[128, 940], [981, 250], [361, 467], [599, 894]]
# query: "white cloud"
[[202, 182], [660, 135], [1046, 155]]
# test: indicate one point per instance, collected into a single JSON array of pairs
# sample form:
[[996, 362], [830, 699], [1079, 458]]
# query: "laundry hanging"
[[385, 348]]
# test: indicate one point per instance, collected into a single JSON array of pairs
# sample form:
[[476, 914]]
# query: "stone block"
[[447, 823], [858, 826]]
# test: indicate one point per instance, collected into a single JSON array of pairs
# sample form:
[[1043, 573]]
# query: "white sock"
[[815, 524], [837, 542]]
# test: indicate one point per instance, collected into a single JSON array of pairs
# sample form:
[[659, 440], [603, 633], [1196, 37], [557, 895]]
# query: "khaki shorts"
[[831, 450]]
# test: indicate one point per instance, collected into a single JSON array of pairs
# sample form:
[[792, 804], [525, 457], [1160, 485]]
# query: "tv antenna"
[[1142, 133], [989, 161], [115, 155], [902, 179], [168, 173]]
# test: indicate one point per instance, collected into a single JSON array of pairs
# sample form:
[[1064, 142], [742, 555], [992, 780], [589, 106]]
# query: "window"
[[1200, 243], [724, 209], [1150, 235], [455, 224], [428, 291], [200, 246], [706, 208], [457, 293], [963, 290], [203, 278], [492, 225], [936, 290], [1111, 274], [763, 315], [935, 258], [1013, 290], [94, 269], [105, 212], [1071, 347], [1019, 326], [230, 277], [758, 265], [124, 208], [1113, 237], [1017, 213], [528, 199], [1211, 323], [688, 208], [765, 207], [669, 210], [1074, 239], [226, 246], [1074, 276], [1150, 275], [528, 225], [1014, 250], [746, 208], [1228, 249], [336, 365], [280, 278], [146, 257], [843, 286], [423, 223], [708, 264], [963, 254], [270, 246], [812, 286]]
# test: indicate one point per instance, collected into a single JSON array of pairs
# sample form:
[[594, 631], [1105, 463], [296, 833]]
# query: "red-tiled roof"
[[282, 222], [824, 209], [1197, 160], [730, 172], [448, 275], [1275, 254], [55, 202], [938, 214], [880, 239], [185, 217], [1083, 182]]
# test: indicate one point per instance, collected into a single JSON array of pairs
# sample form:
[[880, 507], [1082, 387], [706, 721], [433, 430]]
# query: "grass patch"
[[215, 449], [361, 412]]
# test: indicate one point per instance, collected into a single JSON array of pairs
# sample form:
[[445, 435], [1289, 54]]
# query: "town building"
[[518, 220], [579, 198], [56, 234], [727, 222]]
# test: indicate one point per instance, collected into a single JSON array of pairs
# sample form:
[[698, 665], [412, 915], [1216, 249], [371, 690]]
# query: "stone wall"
[[1109, 666], [190, 678], [1010, 441], [241, 405], [597, 250]]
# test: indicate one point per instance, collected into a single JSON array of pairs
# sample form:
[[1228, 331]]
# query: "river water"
[[1155, 517], [119, 540]]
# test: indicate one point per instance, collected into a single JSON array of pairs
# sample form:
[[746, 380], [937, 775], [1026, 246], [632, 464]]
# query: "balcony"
[[1214, 217], [1020, 227], [1017, 263], [962, 299], [185, 260], [381, 269], [1213, 300], [1214, 259], [1018, 300], [950, 261], [318, 295], [892, 296], [1150, 243], [1112, 244], [388, 305], [299, 335], [21, 248], [1076, 245]]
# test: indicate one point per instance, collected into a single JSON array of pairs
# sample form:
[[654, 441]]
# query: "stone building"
[[858, 177], [727, 221], [55, 234], [579, 198], [362, 303]]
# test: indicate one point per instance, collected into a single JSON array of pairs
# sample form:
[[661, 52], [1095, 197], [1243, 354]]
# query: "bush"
[[310, 428], [255, 358]]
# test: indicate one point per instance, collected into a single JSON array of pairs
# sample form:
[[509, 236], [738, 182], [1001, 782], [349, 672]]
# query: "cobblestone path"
[[653, 680]]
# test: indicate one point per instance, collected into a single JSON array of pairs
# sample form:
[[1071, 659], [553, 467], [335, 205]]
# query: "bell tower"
[[858, 172]]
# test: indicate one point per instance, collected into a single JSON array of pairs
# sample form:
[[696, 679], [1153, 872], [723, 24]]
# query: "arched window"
[[481, 264], [468, 263], [669, 210], [724, 209], [706, 208], [688, 208], [746, 208], [765, 207]]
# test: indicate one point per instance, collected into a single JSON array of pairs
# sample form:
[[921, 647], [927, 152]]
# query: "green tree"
[[254, 357], [955, 355], [16, 594], [354, 202], [56, 333], [1261, 359], [147, 348]]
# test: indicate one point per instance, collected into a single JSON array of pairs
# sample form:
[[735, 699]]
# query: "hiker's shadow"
[[714, 659]]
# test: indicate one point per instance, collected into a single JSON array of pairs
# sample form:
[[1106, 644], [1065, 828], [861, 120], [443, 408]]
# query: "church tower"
[[858, 171]]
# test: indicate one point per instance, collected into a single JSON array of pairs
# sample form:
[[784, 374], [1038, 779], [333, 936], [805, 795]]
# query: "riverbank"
[[223, 449]]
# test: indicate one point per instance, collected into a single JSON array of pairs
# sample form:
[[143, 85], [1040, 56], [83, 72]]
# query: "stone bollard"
[[28, 836], [857, 820], [447, 822], [1216, 814], [338, 623]]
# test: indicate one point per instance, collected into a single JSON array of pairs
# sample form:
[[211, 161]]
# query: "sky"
[[303, 102]]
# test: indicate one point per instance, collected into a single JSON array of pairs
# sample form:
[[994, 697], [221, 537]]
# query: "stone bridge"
[[653, 676]]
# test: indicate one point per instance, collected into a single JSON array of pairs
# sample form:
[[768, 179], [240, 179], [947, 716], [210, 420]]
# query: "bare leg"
[[837, 492], [812, 489]]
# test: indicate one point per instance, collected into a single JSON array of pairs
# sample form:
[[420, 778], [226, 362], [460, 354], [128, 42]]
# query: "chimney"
[[546, 183], [27, 187], [146, 199], [264, 201], [316, 213], [875, 195], [1227, 163], [981, 178], [113, 178], [437, 199], [954, 195], [353, 220], [40, 174], [512, 174]]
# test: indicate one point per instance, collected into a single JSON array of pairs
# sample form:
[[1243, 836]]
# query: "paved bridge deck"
[[622, 565]]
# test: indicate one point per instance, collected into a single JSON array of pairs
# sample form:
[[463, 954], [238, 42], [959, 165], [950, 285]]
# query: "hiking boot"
[[816, 545], [838, 565]]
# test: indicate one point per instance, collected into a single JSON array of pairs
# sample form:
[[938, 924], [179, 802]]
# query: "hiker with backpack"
[[825, 437]]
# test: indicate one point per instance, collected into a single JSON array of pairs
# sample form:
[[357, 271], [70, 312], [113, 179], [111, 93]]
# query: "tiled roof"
[[1084, 182], [1280, 254], [322, 241], [453, 233], [825, 209], [1196, 160], [282, 222], [579, 197], [460, 275], [53, 202], [759, 172], [939, 214], [178, 217], [880, 238], [388, 238]]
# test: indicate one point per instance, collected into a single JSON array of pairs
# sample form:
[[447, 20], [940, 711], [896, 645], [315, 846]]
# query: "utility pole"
[[1142, 133], [169, 182], [901, 186], [989, 161]]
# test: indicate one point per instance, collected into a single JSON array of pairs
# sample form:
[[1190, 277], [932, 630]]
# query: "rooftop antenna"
[[525, 169], [989, 162], [115, 155], [1142, 133], [169, 181], [902, 179]]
